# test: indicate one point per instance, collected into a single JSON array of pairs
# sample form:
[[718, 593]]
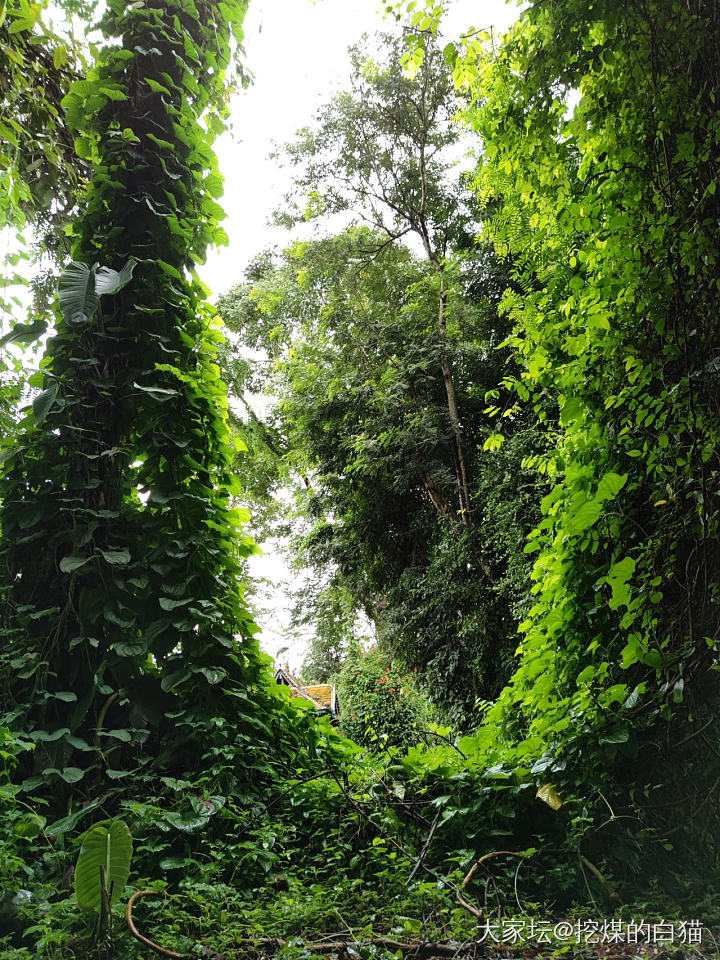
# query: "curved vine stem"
[[163, 951], [471, 872]]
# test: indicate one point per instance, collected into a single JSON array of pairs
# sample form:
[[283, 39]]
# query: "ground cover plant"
[[537, 387]]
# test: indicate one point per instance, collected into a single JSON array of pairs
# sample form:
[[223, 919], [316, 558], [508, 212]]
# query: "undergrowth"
[[369, 847]]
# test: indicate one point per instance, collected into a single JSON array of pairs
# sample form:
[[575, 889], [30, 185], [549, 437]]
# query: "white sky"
[[296, 50]]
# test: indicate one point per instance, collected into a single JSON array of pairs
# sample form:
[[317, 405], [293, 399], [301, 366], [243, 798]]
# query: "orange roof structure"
[[323, 696]]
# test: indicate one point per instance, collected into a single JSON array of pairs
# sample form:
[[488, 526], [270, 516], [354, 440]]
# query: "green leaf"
[[111, 281], [24, 332], [572, 410], [616, 735], [77, 295], [68, 774], [117, 557], [81, 287], [214, 185], [610, 485], [583, 517], [60, 56], [71, 563], [167, 604], [72, 774], [66, 824], [213, 675], [617, 578], [134, 649], [634, 697], [124, 735], [156, 87], [43, 402], [44, 736], [105, 853], [158, 393], [173, 678]]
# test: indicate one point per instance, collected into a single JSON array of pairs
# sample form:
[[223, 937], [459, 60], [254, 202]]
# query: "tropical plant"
[[102, 872], [123, 626]]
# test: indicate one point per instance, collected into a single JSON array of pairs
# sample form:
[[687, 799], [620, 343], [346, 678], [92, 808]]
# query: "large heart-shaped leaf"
[[105, 855], [77, 295], [110, 281], [81, 287]]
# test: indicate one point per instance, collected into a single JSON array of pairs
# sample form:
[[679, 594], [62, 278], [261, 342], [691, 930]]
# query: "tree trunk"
[[461, 470]]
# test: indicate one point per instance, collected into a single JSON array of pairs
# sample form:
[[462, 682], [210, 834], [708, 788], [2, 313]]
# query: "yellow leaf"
[[550, 796], [60, 57], [660, 503]]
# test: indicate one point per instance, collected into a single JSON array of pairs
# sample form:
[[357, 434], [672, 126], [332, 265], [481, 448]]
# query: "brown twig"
[[426, 845], [598, 875], [471, 872], [693, 734]]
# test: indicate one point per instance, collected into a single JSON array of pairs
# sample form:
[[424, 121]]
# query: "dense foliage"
[[381, 705], [610, 211], [383, 363], [123, 617], [432, 466]]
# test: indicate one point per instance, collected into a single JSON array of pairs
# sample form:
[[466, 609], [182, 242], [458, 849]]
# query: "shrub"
[[381, 705]]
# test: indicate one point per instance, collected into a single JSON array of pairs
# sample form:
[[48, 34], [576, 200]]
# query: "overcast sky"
[[296, 50]]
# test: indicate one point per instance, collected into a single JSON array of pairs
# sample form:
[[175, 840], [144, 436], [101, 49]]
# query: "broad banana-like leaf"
[[105, 854], [81, 287], [110, 281], [77, 296]]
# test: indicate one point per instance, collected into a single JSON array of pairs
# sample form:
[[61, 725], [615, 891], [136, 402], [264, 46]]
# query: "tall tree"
[[120, 551], [350, 351], [384, 151]]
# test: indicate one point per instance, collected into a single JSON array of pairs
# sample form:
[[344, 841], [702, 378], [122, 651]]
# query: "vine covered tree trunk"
[[120, 551]]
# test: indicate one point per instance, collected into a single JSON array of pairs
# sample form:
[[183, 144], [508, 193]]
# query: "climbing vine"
[[120, 549], [600, 173]]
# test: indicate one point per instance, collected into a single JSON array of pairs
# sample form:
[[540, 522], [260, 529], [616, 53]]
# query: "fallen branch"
[[426, 846], [418, 947]]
